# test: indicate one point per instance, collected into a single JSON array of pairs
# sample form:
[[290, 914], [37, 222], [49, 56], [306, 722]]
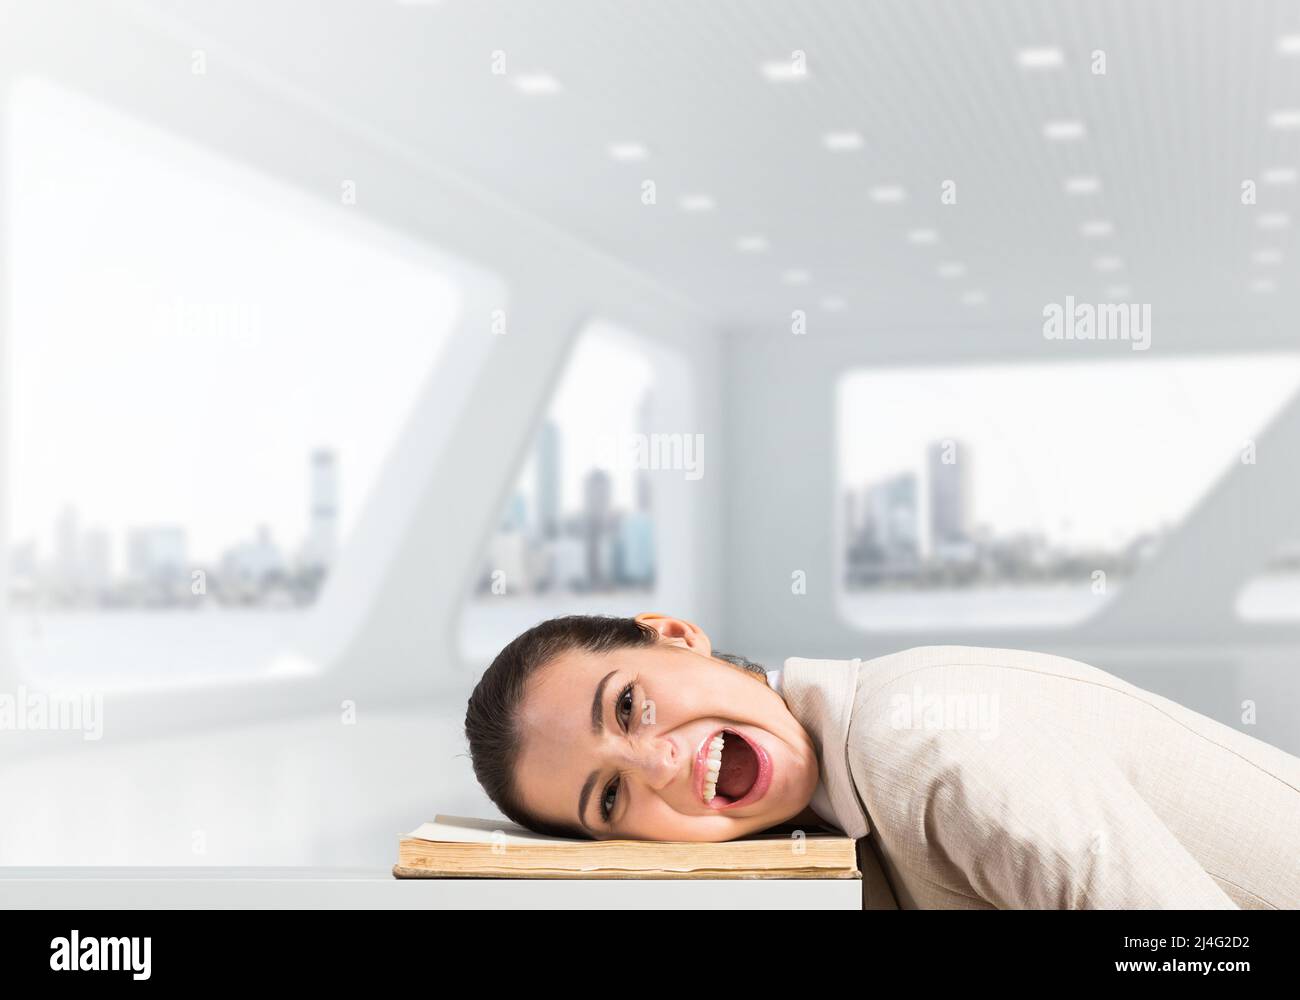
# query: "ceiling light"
[[1118, 292], [795, 276], [1082, 185], [696, 203], [838, 142], [751, 244], [1064, 131], [832, 303], [1273, 220], [1044, 58], [1262, 285], [1267, 256], [1289, 45], [951, 269], [783, 70], [537, 83], [1108, 263], [888, 194], [1096, 227], [627, 152], [1280, 175], [974, 298], [1285, 119], [922, 236]]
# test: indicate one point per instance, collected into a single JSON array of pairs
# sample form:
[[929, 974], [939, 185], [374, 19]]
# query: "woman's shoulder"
[[957, 662]]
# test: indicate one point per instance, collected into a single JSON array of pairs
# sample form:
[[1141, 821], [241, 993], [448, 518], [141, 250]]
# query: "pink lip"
[[761, 783]]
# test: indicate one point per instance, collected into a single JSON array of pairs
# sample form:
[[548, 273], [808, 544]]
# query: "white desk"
[[353, 888]]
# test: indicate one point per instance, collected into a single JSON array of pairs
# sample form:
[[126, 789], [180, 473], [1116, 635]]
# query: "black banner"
[[138, 949]]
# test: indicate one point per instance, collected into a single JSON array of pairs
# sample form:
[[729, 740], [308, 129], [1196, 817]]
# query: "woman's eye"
[[607, 801], [625, 700]]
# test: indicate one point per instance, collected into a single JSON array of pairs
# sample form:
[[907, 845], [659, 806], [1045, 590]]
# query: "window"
[[207, 370], [1274, 594], [1028, 494], [580, 531]]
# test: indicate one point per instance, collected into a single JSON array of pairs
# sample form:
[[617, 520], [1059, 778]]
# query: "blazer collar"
[[820, 694]]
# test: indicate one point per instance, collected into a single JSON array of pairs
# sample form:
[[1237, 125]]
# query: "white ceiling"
[[935, 89]]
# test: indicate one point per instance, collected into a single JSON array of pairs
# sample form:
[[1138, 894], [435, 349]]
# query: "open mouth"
[[731, 769]]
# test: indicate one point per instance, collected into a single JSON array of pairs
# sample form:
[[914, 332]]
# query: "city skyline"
[[153, 563], [1167, 429], [545, 541], [920, 531]]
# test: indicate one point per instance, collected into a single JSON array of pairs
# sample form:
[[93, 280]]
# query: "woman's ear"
[[678, 631]]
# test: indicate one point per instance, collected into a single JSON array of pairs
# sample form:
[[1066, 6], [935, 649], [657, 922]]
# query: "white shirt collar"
[[821, 800], [821, 695]]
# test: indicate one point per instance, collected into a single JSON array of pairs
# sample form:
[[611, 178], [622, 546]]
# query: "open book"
[[462, 847]]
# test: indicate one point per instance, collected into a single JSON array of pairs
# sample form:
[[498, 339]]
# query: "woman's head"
[[611, 716]]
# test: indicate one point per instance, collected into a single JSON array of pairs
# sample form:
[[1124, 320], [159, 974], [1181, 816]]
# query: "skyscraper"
[[892, 516], [157, 555], [635, 552], [644, 413], [597, 492], [950, 493], [322, 535]]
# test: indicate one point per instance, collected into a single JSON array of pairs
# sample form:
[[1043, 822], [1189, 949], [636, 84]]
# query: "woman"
[[982, 778]]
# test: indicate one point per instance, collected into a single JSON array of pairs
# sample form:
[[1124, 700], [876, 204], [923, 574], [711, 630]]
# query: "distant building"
[[514, 519], [66, 549], [606, 568], [644, 413], [597, 493], [508, 554], [569, 562], [321, 546], [22, 560], [852, 516], [23, 572], [95, 561], [950, 494], [156, 555], [636, 549], [882, 529], [251, 564], [548, 480], [892, 513]]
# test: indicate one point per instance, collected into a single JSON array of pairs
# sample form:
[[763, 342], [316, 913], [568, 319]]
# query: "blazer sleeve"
[[1038, 821]]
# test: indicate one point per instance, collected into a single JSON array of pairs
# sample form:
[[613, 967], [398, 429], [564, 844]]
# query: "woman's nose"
[[656, 761]]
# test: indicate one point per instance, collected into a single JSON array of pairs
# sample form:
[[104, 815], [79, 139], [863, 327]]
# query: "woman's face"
[[617, 743]]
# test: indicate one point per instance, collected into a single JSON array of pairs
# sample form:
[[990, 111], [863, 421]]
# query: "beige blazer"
[[1000, 778]]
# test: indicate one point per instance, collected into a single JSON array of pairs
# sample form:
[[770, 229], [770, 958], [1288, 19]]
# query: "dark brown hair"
[[491, 719]]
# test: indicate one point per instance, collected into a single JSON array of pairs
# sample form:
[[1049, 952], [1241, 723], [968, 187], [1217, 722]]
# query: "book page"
[[471, 830]]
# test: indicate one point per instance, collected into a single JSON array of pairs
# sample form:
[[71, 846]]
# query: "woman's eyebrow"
[[597, 722], [598, 704]]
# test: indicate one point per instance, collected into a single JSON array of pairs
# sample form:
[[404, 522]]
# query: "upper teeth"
[[713, 764]]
